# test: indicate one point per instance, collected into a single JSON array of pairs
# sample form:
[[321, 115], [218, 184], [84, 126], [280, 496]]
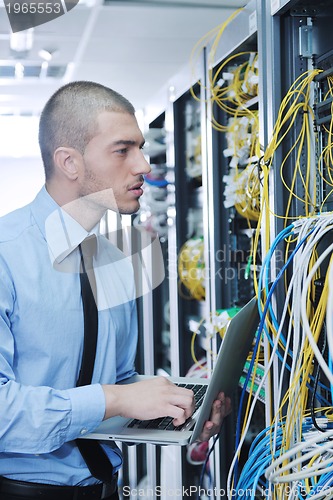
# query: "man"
[[91, 148]]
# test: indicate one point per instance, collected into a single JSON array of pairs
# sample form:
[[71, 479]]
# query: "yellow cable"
[[197, 52]]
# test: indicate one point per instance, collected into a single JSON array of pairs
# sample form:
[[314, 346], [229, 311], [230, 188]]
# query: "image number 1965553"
[[27, 14], [34, 7]]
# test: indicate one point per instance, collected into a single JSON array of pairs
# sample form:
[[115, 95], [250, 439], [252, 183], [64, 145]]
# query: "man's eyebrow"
[[127, 142]]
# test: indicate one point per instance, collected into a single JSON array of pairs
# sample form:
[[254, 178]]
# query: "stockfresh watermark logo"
[[25, 14], [121, 275]]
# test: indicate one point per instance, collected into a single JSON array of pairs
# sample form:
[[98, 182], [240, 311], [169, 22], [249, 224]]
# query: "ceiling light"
[[43, 69], [47, 54], [19, 70], [21, 42]]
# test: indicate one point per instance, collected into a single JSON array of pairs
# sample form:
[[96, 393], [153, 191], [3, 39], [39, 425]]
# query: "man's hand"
[[220, 409], [148, 399]]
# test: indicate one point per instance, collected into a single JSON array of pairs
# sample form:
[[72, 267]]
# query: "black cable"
[[205, 464], [315, 386], [323, 340]]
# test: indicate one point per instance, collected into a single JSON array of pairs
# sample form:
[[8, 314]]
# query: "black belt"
[[54, 492]]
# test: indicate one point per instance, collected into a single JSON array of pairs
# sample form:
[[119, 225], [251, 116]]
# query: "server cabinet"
[[207, 245], [297, 46], [283, 43], [189, 221], [235, 178], [295, 133]]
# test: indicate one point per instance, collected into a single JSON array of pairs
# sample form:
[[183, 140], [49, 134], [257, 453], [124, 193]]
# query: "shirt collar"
[[63, 234]]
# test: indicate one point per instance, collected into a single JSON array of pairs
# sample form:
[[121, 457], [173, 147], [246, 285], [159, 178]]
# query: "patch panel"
[[255, 387]]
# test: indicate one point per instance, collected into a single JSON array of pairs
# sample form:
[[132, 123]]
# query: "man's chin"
[[127, 210]]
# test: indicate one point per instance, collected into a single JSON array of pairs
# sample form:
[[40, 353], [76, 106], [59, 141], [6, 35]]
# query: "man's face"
[[114, 164]]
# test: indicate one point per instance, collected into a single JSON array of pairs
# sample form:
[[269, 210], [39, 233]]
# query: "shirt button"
[[83, 431]]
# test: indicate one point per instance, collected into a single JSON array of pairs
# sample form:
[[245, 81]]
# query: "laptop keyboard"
[[165, 423]]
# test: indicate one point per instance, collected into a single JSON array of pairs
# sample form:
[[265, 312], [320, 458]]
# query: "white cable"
[[305, 321], [298, 330], [309, 472], [251, 410], [329, 312], [293, 288], [301, 260], [302, 266], [323, 494], [267, 370], [270, 473]]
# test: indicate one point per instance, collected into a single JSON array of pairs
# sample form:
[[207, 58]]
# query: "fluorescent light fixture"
[[47, 54], [21, 42], [19, 70]]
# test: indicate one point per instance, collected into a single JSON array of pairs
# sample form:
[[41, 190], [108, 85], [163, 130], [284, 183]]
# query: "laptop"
[[228, 369]]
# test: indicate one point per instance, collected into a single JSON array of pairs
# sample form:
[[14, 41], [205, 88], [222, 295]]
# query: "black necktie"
[[91, 450]]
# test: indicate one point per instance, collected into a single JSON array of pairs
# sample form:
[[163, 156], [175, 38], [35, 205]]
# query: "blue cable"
[[266, 268], [260, 329], [263, 448], [261, 457], [203, 469], [324, 482], [281, 236], [252, 477], [288, 231], [330, 364], [255, 349], [156, 182]]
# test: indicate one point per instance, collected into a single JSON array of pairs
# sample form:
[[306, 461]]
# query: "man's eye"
[[122, 151]]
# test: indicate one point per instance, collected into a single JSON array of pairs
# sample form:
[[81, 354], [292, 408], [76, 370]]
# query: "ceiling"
[[135, 47]]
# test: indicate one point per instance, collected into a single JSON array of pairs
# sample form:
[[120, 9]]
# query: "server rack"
[[232, 233], [295, 40], [201, 219], [289, 37]]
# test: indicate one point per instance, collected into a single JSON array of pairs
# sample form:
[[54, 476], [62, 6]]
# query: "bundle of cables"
[[242, 190], [193, 164], [212, 39], [153, 214], [233, 85], [191, 267], [193, 158], [291, 454], [325, 158], [216, 324], [242, 137], [314, 452], [296, 106]]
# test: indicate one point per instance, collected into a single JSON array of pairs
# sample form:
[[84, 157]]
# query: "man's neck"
[[82, 210]]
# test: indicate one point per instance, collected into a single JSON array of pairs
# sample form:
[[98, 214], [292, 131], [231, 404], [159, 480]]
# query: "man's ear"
[[67, 161]]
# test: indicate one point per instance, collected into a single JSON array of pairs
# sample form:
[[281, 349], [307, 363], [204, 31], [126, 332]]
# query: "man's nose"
[[143, 167]]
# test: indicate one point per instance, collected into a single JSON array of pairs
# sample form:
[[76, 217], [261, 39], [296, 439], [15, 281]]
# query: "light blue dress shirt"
[[42, 411]]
